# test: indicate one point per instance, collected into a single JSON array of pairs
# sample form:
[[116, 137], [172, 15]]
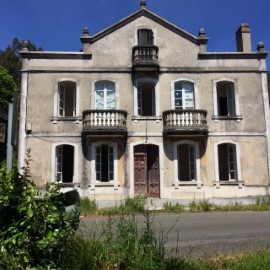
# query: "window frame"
[[239, 180], [105, 90], [93, 158], [197, 180], [155, 84], [216, 116], [184, 94], [75, 162], [76, 103]]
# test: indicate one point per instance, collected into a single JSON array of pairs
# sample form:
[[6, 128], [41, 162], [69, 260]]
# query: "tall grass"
[[129, 206], [122, 246]]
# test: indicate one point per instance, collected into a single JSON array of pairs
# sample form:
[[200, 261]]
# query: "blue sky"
[[56, 25]]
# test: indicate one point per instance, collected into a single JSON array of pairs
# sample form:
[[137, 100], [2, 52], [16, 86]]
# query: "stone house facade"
[[144, 108]]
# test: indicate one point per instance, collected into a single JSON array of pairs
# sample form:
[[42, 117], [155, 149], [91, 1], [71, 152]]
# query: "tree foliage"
[[10, 58], [7, 87], [34, 227]]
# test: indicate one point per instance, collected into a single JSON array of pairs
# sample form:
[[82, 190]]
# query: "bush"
[[33, 228]]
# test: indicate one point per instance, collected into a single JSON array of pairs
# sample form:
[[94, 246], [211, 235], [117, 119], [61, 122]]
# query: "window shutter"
[[59, 163], [61, 100], [230, 100], [139, 96]]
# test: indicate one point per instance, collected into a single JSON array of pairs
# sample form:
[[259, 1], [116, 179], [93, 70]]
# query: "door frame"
[[131, 165]]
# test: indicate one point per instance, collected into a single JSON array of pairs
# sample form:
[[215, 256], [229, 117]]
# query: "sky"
[[56, 25]]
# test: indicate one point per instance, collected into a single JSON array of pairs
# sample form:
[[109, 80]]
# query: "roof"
[[148, 14]]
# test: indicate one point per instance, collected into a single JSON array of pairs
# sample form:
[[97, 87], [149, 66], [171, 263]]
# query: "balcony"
[[185, 122], [145, 58], [108, 123]]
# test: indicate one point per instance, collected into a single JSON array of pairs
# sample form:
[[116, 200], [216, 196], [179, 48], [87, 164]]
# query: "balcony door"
[[183, 95], [146, 170], [145, 37]]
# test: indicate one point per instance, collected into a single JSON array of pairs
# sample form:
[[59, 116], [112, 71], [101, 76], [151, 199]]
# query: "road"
[[202, 234]]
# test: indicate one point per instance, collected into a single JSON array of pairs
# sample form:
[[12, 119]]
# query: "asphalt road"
[[201, 234]]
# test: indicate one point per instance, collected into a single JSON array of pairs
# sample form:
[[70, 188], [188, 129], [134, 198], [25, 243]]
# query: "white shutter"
[[61, 100]]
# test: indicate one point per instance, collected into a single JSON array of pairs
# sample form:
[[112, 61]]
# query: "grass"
[[129, 206], [122, 246], [137, 205]]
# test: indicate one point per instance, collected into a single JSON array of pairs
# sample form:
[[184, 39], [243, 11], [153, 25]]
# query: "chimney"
[[243, 42], [86, 40]]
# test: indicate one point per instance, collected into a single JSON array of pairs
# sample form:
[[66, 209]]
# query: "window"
[[67, 99], [146, 99], [183, 95], [105, 95], [64, 163], [145, 37], [225, 99], [186, 162], [104, 163], [227, 162]]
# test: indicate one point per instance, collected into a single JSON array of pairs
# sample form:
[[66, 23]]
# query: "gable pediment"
[[150, 15]]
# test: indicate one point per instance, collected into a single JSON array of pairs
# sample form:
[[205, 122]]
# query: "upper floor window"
[[183, 95], [145, 37], [67, 99], [105, 95], [146, 99], [225, 99]]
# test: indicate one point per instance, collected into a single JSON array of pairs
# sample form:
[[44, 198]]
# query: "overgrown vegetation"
[[34, 227], [121, 246], [129, 206], [37, 234]]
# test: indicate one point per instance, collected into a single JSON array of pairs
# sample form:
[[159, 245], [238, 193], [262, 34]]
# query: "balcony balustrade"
[[105, 122], [185, 122], [145, 58]]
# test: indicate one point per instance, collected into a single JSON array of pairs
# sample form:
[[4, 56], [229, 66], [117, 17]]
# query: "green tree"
[[7, 87], [10, 58]]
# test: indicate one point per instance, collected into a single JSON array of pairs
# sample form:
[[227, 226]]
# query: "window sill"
[[75, 119], [71, 184], [187, 183], [236, 118], [240, 184], [137, 118], [109, 184]]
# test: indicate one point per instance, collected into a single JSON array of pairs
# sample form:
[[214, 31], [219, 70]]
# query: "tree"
[[7, 87], [10, 58]]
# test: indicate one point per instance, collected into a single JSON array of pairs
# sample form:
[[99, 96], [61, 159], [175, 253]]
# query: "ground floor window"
[[104, 163], [186, 162], [64, 159], [227, 162]]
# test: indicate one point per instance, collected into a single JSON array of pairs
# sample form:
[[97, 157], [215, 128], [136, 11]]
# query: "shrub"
[[33, 228]]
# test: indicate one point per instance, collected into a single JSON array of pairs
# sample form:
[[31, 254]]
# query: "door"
[[146, 170]]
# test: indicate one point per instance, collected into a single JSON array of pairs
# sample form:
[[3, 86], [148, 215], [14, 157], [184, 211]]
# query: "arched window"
[[227, 162], [64, 163], [186, 162], [66, 99], [104, 163], [105, 98], [183, 95], [225, 98]]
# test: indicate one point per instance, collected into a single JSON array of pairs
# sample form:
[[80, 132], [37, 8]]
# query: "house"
[[155, 114]]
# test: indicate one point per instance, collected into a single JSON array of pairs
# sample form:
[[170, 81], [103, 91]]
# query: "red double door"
[[146, 170]]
